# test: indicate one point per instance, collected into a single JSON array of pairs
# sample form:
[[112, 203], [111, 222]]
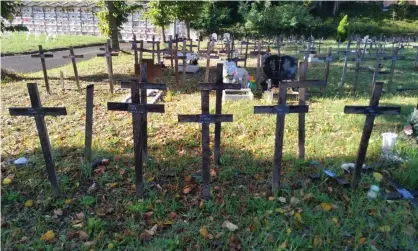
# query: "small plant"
[[87, 200], [342, 29]]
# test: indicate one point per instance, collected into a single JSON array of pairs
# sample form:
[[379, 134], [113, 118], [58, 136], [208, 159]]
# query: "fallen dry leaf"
[[294, 201], [377, 176], [153, 230], [282, 199], [384, 229], [204, 232], [187, 189], [83, 235], [298, 217], [231, 226], [317, 241], [29, 203], [100, 170], [48, 236], [326, 206], [362, 240], [173, 215], [80, 216]]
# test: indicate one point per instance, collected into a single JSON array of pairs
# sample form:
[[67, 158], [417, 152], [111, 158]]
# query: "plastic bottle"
[[373, 192]]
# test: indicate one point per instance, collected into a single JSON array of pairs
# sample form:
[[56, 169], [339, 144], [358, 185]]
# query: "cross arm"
[[206, 118], [73, 56], [43, 111], [305, 83], [42, 56], [214, 86], [281, 109], [135, 108], [106, 54], [127, 84], [372, 110]]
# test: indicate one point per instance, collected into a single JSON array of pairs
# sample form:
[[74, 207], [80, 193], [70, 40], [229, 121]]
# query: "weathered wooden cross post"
[[219, 86], [153, 42], [379, 55], [42, 55], [39, 113], [72, 56], [205, 119], [328, 61], [108, 55], [207, 53], [347, 52], [136, 60], [357, 70], [139, 110], [275, 72], [393, 58], [371, 112], [89, 124]]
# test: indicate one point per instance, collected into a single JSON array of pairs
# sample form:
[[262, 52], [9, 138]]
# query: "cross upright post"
[[136, 60], [153, 42], [42, 56], [357, 70], [393, 58], [205, 119], [328, 61], [371, 112], [39, 113], [72, 56], [207, 53], [218, 86], [139, 110], [108, 55], [379, 55]]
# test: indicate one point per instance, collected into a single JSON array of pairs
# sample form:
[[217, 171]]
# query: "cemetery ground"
[[17, 43], [305, 214]]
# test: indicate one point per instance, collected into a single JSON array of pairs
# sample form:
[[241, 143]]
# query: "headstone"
[[39, 113]]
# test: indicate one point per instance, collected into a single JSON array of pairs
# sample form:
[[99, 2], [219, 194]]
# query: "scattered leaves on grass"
[[48, 236], [231, 226], [326, 206], [29, 203]]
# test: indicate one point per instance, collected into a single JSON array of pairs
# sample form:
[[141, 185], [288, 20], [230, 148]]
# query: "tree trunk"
[[163, 31], [188, 29], [336, 8], [112, 26]]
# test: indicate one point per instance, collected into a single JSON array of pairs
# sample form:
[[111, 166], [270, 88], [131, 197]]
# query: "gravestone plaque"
[[280, 67]]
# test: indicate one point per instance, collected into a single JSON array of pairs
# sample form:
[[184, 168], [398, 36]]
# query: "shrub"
[[342, 32]]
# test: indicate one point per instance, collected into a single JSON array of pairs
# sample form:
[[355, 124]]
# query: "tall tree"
[[160, 14], [112, 17], [8, 8], [188, 11]]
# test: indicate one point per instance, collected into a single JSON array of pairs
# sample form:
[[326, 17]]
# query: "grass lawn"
[[17, 43], [305, 215]]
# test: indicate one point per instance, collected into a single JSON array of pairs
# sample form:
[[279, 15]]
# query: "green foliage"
[[8, 9], [414, 120], [342, 32], [213, 18], [365, 26], [121, 11], [266, 19], [17, 28], [160, 13]]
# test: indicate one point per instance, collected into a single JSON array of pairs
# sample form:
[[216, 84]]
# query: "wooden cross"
[[89, 124], [378, 55], [357, 70], [139, 109], [108, 54], [371, 112], [208, 56], [393, 58], [42, 55], [246, 52], [366, 42], [39, 113], [347, 52], [328, 61], [153, 42], [219, 86], [72, 56], [205, 119], [280, 110], [135, 49]]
